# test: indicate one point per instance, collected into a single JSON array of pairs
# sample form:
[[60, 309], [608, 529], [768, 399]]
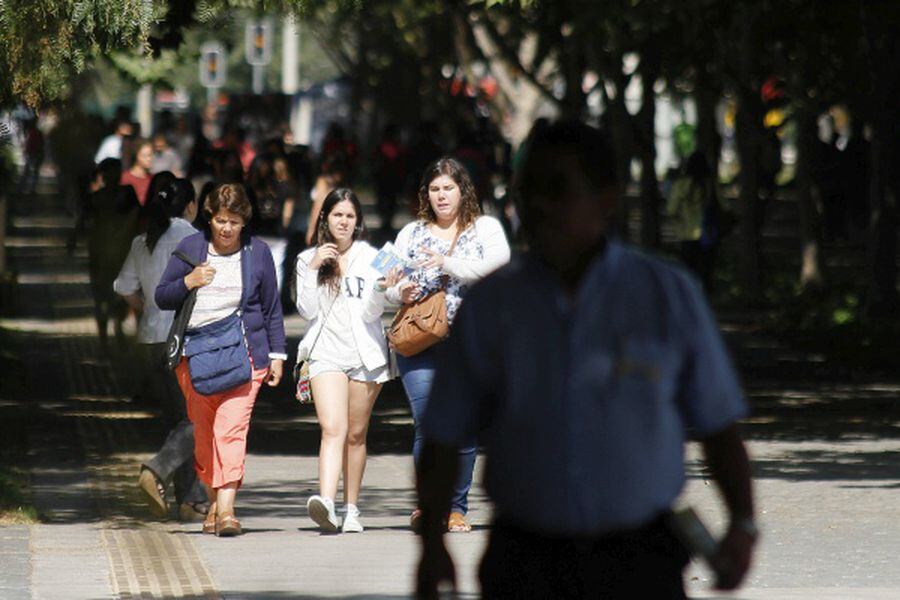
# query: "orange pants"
[[221, 422]]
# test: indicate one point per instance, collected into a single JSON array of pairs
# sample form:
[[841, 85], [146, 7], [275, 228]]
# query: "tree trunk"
[[646, 136], [709, 142], [3, 213], [810, 223], [574, 65], [619, 122], [747, 132], [521, 98], [882, 251]]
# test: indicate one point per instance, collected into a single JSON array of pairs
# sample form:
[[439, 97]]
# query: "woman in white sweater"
[[339, 293], [450, 246]]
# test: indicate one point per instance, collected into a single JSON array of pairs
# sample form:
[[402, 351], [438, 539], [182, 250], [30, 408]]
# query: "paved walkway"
[[825, 447]]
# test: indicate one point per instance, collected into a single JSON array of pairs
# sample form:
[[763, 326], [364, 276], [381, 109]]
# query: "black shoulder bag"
[[175, 340]]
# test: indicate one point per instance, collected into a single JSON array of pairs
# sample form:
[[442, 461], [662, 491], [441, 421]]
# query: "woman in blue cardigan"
[[229, 261]]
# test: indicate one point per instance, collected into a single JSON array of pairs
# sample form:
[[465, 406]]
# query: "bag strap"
[[185, 258], [325, 320], [445, 279], [330, 308], [246, 268]]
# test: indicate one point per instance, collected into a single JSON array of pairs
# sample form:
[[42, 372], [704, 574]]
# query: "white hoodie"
[[365, 303]]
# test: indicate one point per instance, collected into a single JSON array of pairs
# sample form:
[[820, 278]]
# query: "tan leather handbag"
[[419, 325], [423, 323]]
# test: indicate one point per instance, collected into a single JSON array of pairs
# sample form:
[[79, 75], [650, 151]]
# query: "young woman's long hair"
[[330, 271], [167, 204], [469, 209]]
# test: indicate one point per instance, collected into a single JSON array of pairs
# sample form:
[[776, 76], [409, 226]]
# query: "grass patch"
[[832, 322]]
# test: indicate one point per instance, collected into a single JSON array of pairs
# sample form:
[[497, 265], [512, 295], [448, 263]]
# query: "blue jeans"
[[417, 373]]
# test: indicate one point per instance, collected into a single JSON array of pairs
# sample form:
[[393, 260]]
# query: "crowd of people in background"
[[286, 183]]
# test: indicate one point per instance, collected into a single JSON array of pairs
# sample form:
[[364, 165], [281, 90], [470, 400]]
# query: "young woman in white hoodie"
[[342, 297]]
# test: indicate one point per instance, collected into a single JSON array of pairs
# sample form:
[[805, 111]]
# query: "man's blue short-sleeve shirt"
[[585, 403]]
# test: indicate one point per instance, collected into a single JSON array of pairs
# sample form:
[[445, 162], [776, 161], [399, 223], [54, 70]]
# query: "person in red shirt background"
[[138, 175]]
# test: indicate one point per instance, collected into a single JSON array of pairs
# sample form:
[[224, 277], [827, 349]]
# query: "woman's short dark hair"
[[330, 271], [230, 197], [469, 208]]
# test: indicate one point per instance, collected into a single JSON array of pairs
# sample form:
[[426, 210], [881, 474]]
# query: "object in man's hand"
[[687, 527]]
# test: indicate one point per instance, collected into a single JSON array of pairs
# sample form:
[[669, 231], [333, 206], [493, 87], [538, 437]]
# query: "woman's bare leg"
[[361, 400], [330, 392], [225, 498]]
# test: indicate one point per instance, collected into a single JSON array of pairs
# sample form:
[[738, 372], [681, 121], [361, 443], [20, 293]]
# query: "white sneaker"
[[351, 521], [321, 510]]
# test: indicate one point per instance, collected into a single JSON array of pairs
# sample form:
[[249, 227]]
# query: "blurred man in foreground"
[[586, 366]]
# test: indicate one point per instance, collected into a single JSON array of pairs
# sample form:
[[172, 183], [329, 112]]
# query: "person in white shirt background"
[[342, 296], [170, 214], [450, 246], [111, 146]]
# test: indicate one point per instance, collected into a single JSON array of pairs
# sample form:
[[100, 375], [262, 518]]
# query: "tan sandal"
[[457, 523], [227, 525], [209, 523]]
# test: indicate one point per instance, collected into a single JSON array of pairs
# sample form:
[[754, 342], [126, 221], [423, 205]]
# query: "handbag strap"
[[325, 320], [445, 279], [246, 267], [185, 258]]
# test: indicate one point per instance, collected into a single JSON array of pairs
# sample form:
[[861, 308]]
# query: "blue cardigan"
[[263, 318]]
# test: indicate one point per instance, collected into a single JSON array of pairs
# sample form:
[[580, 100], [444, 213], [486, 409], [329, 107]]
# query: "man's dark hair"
[[549, 149]]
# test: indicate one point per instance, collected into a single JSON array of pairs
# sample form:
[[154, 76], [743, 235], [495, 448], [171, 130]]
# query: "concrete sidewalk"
[[827, 499]]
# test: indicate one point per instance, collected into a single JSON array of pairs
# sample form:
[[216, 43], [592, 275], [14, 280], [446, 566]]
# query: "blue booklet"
[[388, 258]]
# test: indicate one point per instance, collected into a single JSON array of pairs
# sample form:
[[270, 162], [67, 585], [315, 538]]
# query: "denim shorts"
[[360, 373]]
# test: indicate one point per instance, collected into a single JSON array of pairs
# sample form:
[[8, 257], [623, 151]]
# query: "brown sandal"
[[227, 525], [457, 523], [209, 523]]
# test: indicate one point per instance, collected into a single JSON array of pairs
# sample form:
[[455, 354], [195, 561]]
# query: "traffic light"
[[213, 65], [258, 42]]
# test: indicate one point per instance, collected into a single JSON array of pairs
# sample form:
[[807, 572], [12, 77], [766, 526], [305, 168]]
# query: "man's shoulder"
[[661, 283], [641, 263]]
